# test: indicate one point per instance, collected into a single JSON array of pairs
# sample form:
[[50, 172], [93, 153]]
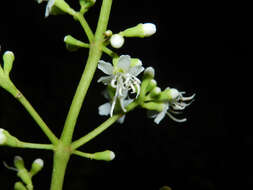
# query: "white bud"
[[174, 93], [39, 161], [150, 71], [117, 41], [149, 29], [112, 155], [2, 136]]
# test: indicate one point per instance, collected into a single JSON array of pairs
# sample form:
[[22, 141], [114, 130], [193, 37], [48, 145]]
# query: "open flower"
[[174, 106], [123, 78]]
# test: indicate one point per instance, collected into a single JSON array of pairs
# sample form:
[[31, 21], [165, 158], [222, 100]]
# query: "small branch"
[[83, 154], [83, 140], [37, 119], [22, 144]]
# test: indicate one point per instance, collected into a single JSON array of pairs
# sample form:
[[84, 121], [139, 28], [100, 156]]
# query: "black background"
[[200, 48]]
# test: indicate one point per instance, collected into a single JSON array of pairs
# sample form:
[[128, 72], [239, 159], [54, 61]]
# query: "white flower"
[[175, 106], [123, 78]]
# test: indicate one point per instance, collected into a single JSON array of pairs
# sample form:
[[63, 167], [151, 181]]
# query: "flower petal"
[[124, 62], [136, 70], [121, 119], [49, 7], [159, 117], [105, 79], [104, 109], [106, 67]]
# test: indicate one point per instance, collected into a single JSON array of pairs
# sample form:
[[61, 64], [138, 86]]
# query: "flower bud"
[[37, 165], [152, 84], [22, 172], [19, 162], [8, 59], [7, 140], [19, 186], [117, 40], [73, 44], [105, 155], [155, 92], [149, 72], [141, 30], [108, 33]]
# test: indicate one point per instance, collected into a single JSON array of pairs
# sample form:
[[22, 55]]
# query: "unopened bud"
[[73, 44], [108, 33], [155, 92], [149, 72], [117, 40], [8, 59], [7, 139], [105, 155], [37, 165], [152, 84], [55, 7], [19, 186], [141, 30]]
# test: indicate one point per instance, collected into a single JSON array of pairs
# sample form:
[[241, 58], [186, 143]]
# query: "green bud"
[[105, 155], [55, 7], [73, 44], [23, 174], [154, 106], [8, 59], [37, 165], [7, 139], [141, 30], [149, 72], [108, 33], [155, 92], [19, 186], [151, 85]]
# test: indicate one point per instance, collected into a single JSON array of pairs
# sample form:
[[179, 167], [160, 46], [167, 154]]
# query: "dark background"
[[200, 48]]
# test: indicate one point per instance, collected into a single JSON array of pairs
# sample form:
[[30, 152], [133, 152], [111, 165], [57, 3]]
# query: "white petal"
[[136, 70], [104, 109], [106, 67], [106, 79], [49, 7], [121, 119], [159, 117], [124, 62]]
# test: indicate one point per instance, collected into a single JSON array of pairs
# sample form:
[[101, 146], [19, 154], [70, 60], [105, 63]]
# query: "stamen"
[[175, 119]]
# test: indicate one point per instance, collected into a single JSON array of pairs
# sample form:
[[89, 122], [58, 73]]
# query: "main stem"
[[62, 152]]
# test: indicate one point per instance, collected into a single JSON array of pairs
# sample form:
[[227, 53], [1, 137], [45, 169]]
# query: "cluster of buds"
[[141, 31], [24, 174]]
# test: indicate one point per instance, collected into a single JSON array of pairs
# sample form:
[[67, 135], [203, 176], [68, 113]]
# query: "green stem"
[[94, 56], [61, 157], [35, 145], [83, 154], [85, 26], [83, 140]]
